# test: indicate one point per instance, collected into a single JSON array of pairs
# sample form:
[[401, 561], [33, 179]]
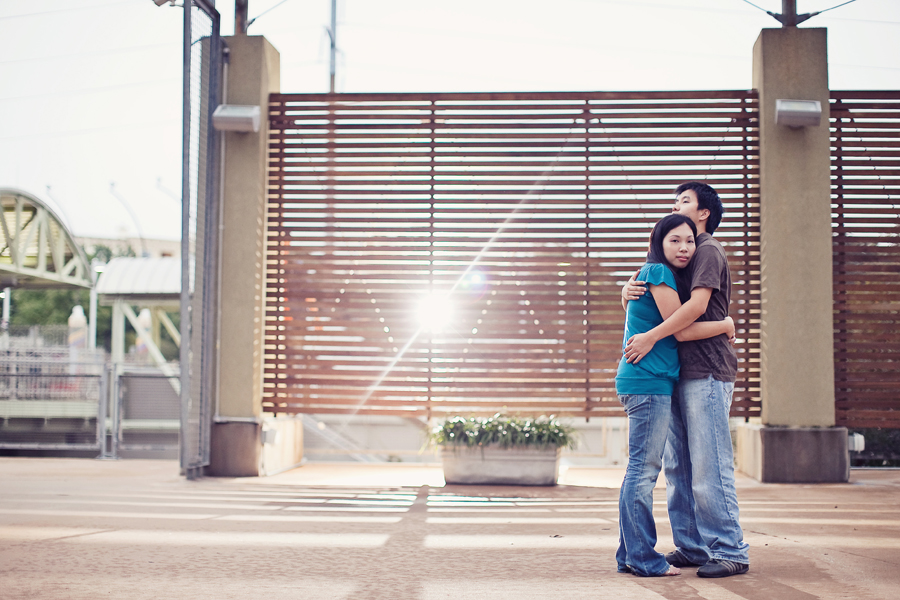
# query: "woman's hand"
[[730, 324], [638, 347], [732, 336]]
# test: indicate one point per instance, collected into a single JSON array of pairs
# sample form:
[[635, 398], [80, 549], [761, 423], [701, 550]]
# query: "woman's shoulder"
[[656, 274]]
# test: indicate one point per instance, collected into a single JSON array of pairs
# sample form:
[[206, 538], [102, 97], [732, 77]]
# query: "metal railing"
[[145, 410], [48, 401], [51, 400], [201, 170]]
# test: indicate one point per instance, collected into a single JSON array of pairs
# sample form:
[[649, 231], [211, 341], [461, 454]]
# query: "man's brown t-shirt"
[[708, 269]]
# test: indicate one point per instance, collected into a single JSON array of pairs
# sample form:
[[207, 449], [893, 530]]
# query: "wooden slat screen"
[[865, 134], [517, 217]]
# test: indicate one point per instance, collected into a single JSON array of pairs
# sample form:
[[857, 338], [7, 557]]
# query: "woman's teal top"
[[657, 373]]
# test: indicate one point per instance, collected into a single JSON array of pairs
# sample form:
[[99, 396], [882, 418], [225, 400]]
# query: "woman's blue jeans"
[[648, 426]]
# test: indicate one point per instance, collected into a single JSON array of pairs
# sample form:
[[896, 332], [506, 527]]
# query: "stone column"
[[239, 432], [796, 440]]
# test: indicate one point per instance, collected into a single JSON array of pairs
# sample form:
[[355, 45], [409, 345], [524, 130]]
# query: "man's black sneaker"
[[722, 568], [677, 559]]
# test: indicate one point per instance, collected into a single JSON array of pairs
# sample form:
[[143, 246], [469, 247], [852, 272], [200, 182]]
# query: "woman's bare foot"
[[671, 572]]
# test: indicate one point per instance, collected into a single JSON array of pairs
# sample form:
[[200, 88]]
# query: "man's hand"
[[638, 347], [634, 289]]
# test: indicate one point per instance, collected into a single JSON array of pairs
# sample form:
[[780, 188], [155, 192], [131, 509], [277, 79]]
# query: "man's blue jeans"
[[699, 459], [648, 426]]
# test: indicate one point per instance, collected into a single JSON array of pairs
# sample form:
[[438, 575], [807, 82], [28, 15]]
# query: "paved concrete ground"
[[86, 529]]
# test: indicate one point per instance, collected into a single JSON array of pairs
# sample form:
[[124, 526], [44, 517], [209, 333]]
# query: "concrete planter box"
[[493, 465]]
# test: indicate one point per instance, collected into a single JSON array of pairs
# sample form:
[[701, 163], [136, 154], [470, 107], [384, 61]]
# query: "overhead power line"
[[100, 52], [80, 7], [795, 19], [838, 6], [755, 6], [271, 8], [94, 90]]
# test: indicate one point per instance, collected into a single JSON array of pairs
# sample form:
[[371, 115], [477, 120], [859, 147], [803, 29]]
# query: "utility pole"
[[241, 24], [240, 16], [332, 33], [137, 223], [789, 13], [789, 16], [59, 206]]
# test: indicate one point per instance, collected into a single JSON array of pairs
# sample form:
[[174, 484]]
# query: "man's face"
[[686, 204]]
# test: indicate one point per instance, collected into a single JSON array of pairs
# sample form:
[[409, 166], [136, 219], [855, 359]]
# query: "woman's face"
[[678, 246]]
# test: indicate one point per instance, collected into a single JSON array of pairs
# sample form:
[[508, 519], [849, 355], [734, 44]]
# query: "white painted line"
[[348, 509], [620, 587], [308, 519], [491, 511], [137, 537], [519, 521], [512, 542], [206, 505], [21, 533], [106, 514]]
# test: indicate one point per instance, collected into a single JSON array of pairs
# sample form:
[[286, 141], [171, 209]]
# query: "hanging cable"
[[251, 21], [819, 12], [759, 7], [838, 6]]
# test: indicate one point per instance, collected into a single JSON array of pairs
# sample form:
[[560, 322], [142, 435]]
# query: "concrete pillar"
[[237, 436], [796, 440], [118, 333]]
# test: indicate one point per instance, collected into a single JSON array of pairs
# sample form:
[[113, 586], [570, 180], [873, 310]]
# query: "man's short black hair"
[[708, 199]]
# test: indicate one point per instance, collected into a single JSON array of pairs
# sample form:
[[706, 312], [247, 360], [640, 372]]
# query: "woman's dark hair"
[[660, 231]]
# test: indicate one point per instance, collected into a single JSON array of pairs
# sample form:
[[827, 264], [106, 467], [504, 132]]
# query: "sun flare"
[[434, 312]]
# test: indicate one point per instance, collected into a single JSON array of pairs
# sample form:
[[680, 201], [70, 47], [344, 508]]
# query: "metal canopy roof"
[[36, 248], [141, 280]]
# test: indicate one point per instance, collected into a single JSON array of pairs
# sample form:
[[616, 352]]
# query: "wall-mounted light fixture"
[[269, 436], [798, 113], [234, 117]]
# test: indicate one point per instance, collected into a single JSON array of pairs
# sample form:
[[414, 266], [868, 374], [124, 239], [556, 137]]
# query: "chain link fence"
[[200, 218], [146, 416], [35, 336], [52, 401], [52, 398], [49, 401]]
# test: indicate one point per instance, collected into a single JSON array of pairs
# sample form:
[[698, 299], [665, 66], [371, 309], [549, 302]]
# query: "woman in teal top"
[[645, 390]]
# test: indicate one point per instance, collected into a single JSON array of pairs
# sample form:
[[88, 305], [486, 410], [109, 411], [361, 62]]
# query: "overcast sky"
[[90, 90]]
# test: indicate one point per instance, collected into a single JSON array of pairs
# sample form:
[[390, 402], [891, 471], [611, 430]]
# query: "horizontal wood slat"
[[865, 184], [524, 212]]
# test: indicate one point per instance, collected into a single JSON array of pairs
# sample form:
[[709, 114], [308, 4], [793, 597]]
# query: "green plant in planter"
[[504, 431]]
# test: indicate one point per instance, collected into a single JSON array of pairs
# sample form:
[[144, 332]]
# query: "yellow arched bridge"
[[36, 248]]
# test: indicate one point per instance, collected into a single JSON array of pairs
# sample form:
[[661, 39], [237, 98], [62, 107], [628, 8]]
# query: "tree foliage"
[[53, 307]]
